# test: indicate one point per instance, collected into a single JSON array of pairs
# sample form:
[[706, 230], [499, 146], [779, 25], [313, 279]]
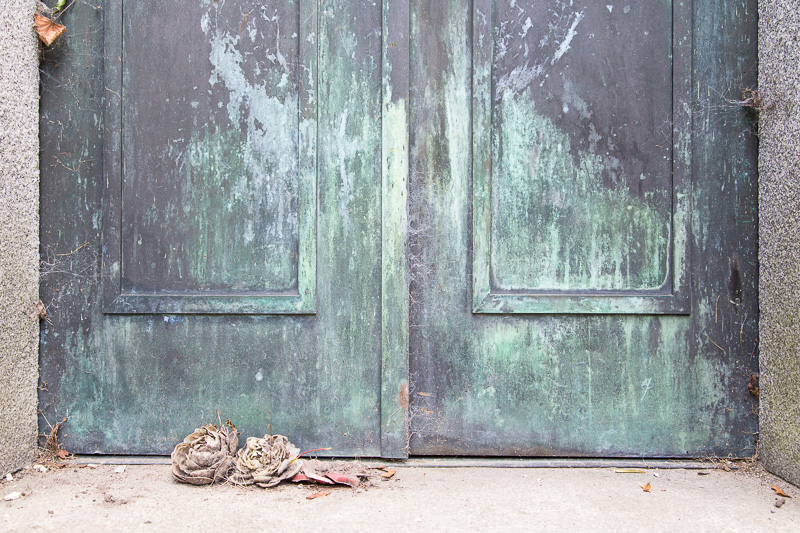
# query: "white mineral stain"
[[571, 33]]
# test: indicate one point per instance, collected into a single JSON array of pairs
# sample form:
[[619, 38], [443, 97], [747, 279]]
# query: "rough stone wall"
[[19, 232], [779, 205]]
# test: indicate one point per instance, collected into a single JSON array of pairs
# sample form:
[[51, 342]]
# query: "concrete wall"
[[779, 205], [19, 232]]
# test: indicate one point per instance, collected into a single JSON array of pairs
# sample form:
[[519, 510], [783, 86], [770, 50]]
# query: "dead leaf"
[[62, 453], [388, 474], [779, 492], [342, 479], [48, 30], [646, 487], [752, 386], [424, 393], [319, 494], [629, 471]]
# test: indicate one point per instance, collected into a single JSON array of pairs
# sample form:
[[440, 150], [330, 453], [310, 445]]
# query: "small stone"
[[779, 502], [9, 477], [50, 512], [12, 496], [120, 469], [40, 468]]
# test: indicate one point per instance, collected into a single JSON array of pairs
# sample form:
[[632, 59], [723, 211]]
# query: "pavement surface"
[[146, 498]]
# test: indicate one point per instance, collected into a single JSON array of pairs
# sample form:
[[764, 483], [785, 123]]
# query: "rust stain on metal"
[[402, 396]]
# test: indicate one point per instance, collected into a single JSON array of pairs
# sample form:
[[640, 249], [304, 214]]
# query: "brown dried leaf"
[[388, 474], [779, 492], [63, 454], [319, 494], [646, 487], [48, 30]]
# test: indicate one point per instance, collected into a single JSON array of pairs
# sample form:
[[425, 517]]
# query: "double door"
[[472, 227]]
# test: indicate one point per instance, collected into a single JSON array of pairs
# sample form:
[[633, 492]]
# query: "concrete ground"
[[146, 498]]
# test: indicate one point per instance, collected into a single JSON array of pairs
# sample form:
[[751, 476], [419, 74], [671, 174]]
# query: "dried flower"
[[206, 456], [266, 461]]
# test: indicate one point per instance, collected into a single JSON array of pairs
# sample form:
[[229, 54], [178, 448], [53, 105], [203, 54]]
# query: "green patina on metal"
[[136, 383], [555, 225], [624, 372], [431, 275]]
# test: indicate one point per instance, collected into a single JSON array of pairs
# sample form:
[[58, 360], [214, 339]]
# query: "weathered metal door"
[[211, 224], [500, 227], [583, 228]]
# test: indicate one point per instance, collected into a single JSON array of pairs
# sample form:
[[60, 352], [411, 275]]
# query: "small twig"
[[715, 344], [75, 250]]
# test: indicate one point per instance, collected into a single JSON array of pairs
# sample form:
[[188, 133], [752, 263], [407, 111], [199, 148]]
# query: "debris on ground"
[[120, 469], [646, 487], [779, 492], [319, 494], [13, 496], [210, 455], [51, 453], [629, 471], [779, 502]]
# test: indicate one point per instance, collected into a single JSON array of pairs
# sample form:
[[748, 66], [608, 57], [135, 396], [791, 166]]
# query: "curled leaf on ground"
[[206, 456], [331, 473], [266, 461]]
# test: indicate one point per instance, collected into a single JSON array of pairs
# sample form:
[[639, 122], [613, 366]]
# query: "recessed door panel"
[[580, 182]]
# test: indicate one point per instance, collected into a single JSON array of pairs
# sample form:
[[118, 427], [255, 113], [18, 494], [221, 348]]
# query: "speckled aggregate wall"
[[779, 205], [19, 232]]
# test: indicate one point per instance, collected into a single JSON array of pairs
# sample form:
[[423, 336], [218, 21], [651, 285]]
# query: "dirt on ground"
[[147, 498]]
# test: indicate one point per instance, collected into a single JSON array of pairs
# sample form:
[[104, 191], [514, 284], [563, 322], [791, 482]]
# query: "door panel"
[[580, 186], [212, 208], [552, 310], [232, 264]]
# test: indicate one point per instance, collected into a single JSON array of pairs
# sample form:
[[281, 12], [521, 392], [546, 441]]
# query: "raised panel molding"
[[672, 294], [295, 291]]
